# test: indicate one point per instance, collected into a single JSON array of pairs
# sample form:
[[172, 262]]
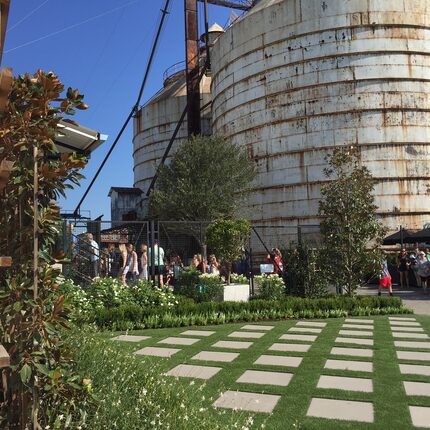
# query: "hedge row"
[[189, 313]]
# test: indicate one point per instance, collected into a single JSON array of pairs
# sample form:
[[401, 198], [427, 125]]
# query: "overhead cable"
[[26, 16], [164, 12], [70, 27]]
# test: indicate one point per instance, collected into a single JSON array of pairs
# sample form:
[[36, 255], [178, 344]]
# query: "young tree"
[[42, 384], [351, 231], [207, 179], [227, 238]]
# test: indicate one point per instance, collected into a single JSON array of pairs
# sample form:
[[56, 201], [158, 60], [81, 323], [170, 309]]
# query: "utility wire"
[[164, 12], [26, 16], [70, 27]]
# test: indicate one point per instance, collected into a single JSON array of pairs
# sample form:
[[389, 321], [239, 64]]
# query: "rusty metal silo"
[[295, 78]]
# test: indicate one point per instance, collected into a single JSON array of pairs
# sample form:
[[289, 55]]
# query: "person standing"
[[129, 268], [214, 266], [279, 264], [423, 269], [158, 261], [144, 262], [402, 266], [94, 251], [385, 277]]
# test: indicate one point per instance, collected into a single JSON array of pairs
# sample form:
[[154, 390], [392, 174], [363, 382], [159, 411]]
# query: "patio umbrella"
[[420, 236], [396, 238]]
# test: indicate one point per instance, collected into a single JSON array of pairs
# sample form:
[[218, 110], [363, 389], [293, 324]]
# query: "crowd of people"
[[414, 265], [125, 262]]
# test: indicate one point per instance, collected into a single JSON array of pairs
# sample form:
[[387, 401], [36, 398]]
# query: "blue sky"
[[105, 58]]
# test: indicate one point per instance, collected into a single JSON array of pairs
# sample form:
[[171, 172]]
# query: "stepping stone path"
[[353, 352], [341, 410], [417, 388], [247, 334], [257, 327], [190, 371], [179, 341], [401, 319], [420, 416], [279, 360], [290, 347], [304, 330], [232, 345], [226, 357], [157, 352], [302, 337], [243, 401], [354, 340], [203, 333], [345, 383], [265, 378], [355, 333], [130, 338], [355, 366]]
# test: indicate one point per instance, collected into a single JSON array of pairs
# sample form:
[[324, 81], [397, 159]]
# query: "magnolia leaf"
[[25, 373]]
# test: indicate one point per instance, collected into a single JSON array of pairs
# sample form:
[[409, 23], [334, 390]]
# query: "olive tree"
[[351, 232], [208, 178]]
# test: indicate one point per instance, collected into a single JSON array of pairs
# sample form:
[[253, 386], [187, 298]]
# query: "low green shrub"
[[190, 313], [132, 394], [200, 287], [270, 287]]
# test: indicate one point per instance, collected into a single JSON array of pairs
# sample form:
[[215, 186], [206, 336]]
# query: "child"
[[385, 277]]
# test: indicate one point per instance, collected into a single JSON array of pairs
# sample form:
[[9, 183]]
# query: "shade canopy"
[[420, 236], [397, 237], [73, 137]]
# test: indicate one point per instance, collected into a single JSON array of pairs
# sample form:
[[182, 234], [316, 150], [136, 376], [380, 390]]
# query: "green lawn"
[[389, 398]]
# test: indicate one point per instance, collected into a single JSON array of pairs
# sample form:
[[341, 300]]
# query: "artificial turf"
[[388, 397]]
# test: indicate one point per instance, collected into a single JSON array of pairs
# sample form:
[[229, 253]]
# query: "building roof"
[[125, 190], [215, 28]]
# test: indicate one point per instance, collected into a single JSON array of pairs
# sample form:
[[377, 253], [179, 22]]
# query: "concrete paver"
[[130, 338], [191, 371], [345, 383], [265, 378], [157, 352], [420, 416], [341, 410], [355, 366], [279, 360], [252, 402], [226, 357]]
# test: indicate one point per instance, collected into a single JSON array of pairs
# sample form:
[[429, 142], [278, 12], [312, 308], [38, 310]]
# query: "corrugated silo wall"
[[294, 78], [154, 126]]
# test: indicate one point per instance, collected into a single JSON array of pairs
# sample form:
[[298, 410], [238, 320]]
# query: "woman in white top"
[[214, 266], [129, 264], [144, 262]]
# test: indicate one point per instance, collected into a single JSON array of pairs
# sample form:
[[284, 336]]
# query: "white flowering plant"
[[270, 287]]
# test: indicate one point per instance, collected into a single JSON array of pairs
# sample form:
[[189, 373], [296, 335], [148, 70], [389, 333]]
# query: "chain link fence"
[[180, 242]]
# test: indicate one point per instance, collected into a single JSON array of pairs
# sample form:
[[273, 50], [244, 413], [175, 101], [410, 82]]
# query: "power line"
[[26, 16], [164, 12], [70, 27]]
